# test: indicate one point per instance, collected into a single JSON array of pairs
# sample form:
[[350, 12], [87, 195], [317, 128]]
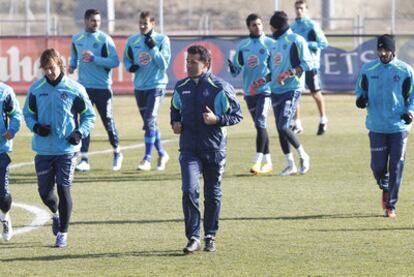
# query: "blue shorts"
[[149, 102], [284, 107], [51, 169], [258, 106], [313, 80]]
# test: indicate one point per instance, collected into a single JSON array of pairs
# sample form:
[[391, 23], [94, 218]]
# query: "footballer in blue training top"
[[94, 54], [147, 55], [252, 58]]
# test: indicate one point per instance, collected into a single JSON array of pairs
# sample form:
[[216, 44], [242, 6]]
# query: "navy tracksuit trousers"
[[387, 162]]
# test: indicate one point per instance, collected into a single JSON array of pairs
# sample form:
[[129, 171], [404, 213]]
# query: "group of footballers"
[[59, 112]]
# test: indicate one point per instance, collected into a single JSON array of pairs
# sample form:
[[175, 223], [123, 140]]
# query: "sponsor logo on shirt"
[[374, 77], [262, 51], [206, 93], [144, 58], [252, 61], [186, 92], [43, 94], [278, 58], [396, 78]]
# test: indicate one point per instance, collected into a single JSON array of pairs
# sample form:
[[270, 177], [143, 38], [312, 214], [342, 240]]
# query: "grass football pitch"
[[129, 223]]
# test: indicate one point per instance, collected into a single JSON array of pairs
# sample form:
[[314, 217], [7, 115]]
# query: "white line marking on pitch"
[[41, 218], [19, 165]]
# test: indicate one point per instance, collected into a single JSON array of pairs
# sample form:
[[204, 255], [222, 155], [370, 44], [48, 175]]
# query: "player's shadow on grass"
[[19, 245], [276, 218], [135, 176], [152, 253], [391, 229]]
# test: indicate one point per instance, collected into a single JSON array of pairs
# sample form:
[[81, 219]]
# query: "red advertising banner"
[[19, 61]]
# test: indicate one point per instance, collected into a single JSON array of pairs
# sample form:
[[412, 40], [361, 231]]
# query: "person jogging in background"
[[202, 104], [58, 112], [147, 55], [252, 57], [9, 126], [290, 57], [384, 87], [317, 41], [94, 54]]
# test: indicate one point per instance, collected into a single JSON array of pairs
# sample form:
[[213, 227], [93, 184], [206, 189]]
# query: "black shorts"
[[312, 80]]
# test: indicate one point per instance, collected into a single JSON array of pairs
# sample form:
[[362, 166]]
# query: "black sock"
[[65, 207], [262, 141], [5, 202]]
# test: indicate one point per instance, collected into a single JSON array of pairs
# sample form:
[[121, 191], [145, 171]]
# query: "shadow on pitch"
[[80, 177], [152, 253], [392, 229], [19, 245], [277, 218]]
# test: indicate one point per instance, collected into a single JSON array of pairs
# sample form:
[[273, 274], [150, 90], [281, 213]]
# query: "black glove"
[[361, 102], [149, 42], [75, 137], [231, 66], [133, 68], [407, 117], [42, 130]]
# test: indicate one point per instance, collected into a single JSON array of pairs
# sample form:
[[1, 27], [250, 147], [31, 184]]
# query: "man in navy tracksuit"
[[58, 112], [94, 53], [384, 88], [201, 106], [9, 126]]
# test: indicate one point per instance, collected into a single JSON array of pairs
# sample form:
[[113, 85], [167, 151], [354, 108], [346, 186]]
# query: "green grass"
[[327, 222]]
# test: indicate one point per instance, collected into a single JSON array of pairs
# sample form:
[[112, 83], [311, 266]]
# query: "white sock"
[[268, 158], [3, 216], [301, 152], [55, 214], [289, 159], [65, 235], [117, 150], [259, 157], [298, 123], [84, 155], [323, 120]]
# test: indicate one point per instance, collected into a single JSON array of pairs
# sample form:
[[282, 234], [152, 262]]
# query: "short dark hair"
[[279, 19], [51, 55], [300, 2], [252, 17], [205, 55], [147, 14], [90, 12]]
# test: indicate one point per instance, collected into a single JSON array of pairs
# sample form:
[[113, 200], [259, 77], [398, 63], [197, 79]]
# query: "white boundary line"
[[133, 146], [41, 218]]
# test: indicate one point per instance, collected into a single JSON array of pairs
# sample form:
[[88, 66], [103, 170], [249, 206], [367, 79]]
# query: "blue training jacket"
[[11, 116], [59, 106], [152, 63], [388, 88], [188, 104], [252, 57], [97, 73], [313, 34], [289, 51]]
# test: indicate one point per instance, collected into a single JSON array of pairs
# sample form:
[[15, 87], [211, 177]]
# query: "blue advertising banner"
[[19, 60], [339, 68]]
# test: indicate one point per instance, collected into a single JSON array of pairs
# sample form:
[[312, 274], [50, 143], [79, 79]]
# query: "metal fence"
[[197, 17]]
